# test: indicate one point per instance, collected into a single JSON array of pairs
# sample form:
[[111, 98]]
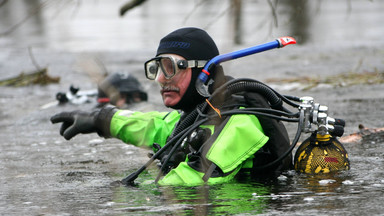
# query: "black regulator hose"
[[274, 100], [188, 120], [239, 85], [250, 112], [177, 144], [246, 84]]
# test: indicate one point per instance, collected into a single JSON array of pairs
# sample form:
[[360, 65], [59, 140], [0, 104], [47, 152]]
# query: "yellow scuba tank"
[[321, 154]]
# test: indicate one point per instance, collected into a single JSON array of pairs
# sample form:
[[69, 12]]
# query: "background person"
[[120, 89]]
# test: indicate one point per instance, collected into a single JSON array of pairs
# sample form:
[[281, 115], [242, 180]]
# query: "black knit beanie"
[[192, 44]]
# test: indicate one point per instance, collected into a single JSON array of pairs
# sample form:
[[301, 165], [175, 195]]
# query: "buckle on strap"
[[197, 63], [209, 172]]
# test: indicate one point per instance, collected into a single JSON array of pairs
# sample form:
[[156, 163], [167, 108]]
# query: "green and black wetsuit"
[[234, 143]]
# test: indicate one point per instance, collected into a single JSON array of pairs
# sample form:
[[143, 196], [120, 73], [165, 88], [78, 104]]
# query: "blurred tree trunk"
[[2, 2], [300, 19], [236, 6]]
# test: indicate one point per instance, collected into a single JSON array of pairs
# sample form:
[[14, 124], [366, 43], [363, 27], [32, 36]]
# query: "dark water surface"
[[43, 174]]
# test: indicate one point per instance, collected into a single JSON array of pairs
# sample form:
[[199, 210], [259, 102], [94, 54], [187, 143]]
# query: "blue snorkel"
[[203, 81]]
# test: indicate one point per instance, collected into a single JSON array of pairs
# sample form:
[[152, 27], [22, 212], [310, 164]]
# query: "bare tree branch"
[[197, 5], [3, 2], [34, 62], [128, 6], [273, 10], [35, 11]]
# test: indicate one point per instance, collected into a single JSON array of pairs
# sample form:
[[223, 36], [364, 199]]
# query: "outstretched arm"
[[77, 122]]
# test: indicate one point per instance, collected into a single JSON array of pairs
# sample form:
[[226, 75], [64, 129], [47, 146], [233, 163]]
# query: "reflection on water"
[[45, 175], [95, 25], [299, 194], [233, 198]]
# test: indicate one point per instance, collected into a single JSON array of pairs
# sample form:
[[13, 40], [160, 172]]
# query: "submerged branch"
[[38, 77], [345, 79]]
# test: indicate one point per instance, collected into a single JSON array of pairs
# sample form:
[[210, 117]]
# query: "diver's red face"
[[173, 89]]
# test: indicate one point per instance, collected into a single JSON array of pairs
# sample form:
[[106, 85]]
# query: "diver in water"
[[120, 89], [217, 150]]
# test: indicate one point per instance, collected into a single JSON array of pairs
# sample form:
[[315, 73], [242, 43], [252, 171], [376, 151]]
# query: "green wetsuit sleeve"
[[143, 129]]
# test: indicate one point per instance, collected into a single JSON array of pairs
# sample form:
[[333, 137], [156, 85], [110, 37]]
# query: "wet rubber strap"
[[209, 172]]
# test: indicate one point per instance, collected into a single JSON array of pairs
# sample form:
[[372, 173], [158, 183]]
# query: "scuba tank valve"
[[321, 152]]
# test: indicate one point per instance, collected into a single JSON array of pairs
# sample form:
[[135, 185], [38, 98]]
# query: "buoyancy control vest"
[[197, 143]]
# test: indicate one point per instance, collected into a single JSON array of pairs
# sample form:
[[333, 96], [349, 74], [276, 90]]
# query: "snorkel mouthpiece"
[[203, 81]]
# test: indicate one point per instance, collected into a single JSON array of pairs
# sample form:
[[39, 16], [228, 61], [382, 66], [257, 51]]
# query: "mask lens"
[[151, 69], [168, 66]]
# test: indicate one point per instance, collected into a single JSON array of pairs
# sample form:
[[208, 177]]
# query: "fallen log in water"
[[363, 133], [38, 77]]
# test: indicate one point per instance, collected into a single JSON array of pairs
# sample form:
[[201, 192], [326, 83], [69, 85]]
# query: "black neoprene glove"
[[76, 122]]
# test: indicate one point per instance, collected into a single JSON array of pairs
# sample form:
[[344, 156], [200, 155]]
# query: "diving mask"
[[169, 65]]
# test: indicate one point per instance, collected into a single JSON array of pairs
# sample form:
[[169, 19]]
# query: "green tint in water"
[[232, 198], [292, 193]]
